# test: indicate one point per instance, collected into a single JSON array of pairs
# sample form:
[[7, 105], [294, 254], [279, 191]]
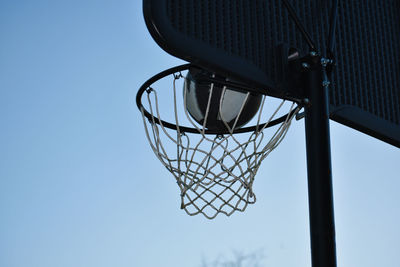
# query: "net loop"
[[149, 90]]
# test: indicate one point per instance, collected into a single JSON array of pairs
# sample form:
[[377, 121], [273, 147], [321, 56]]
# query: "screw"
[[305, 65], [313, 54]]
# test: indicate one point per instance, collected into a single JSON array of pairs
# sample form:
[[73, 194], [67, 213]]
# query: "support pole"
[[320, 193]]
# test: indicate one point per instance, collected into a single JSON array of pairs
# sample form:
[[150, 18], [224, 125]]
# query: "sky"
[[80, 185]]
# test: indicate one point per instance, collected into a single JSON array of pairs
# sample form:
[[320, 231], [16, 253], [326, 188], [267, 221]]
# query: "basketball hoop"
[[214, 167]]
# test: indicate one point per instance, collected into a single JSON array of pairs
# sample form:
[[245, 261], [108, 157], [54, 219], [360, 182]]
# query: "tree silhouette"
[[238, 259]]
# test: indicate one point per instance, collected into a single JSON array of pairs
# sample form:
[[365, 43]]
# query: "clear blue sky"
[[79, 185]]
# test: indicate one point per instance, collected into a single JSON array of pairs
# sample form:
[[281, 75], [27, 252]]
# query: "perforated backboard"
[[249, 39]]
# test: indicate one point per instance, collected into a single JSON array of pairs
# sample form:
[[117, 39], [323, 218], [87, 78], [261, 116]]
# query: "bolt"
[[306, 101], [305, 65], [326, 83], [313, 54], [326, 61]]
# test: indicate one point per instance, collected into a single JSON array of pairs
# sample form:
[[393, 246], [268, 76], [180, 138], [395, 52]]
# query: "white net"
[[215, 172]]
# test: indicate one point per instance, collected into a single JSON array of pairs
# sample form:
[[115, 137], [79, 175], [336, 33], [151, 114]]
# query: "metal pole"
[[320, 194]]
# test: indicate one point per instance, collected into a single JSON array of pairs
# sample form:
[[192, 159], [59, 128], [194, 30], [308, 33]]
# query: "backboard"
[[250, 41]]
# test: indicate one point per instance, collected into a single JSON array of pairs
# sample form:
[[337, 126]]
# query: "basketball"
[[225, 105]]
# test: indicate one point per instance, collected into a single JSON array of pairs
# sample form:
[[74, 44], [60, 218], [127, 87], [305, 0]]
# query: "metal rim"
[[185, 129]]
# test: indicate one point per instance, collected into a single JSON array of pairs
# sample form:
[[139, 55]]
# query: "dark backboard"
[[366, 93], [248, 40]]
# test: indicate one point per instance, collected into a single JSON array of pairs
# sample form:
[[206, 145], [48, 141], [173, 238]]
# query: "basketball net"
[[214, 172]]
